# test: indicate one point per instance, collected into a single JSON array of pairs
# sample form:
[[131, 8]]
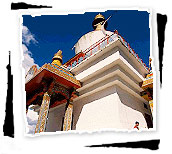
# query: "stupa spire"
[[98, 22], [57, 59]]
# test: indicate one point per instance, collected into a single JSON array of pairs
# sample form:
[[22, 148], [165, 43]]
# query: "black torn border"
[[22, 5], [149, 144], [161, 23], [8, 127]]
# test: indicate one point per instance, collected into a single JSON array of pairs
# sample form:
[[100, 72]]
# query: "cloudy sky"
[[27, 39], [32, 118], [43, 36]]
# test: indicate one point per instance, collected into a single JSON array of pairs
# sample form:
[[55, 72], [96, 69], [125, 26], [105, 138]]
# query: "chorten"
[[110, 72]]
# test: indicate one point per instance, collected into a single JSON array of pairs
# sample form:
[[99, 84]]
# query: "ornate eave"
[[148, 83], [56, 72], [147, 86]]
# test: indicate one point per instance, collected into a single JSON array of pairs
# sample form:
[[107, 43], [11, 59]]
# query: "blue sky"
[[54, 32]]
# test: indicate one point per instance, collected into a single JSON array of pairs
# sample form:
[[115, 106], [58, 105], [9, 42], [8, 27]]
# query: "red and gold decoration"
[[147, 86], [68, 118], [40, 127], [49, 87]]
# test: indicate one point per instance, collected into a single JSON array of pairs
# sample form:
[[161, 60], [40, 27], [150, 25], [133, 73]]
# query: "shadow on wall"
[[55, 119], [127, 100]]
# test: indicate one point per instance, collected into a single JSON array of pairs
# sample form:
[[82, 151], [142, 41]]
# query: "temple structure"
[[50, 88], [105, 85]]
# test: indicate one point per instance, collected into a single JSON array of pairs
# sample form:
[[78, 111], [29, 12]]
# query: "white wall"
[[110, 108], [89, 39], [132, 61], [97, 111], [96, 63]]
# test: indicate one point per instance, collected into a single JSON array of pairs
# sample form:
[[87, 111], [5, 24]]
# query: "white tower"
[[110, 73]]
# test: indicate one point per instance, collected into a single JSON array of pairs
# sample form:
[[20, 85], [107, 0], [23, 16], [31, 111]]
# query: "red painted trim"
[[128, 46], [98, 46]]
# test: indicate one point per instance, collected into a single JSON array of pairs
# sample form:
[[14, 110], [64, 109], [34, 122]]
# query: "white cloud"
[[27, 38], [32, 118], [28, 61], [31, 129]]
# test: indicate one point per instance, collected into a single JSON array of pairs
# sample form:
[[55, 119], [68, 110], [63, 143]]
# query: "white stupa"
[[106, 73]]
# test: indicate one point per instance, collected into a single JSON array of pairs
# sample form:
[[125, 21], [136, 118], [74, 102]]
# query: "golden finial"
[[57, 59], [99, 16], [58, 55], [98, 22]]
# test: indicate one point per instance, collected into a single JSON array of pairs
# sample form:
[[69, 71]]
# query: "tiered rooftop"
[[101, 44]]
